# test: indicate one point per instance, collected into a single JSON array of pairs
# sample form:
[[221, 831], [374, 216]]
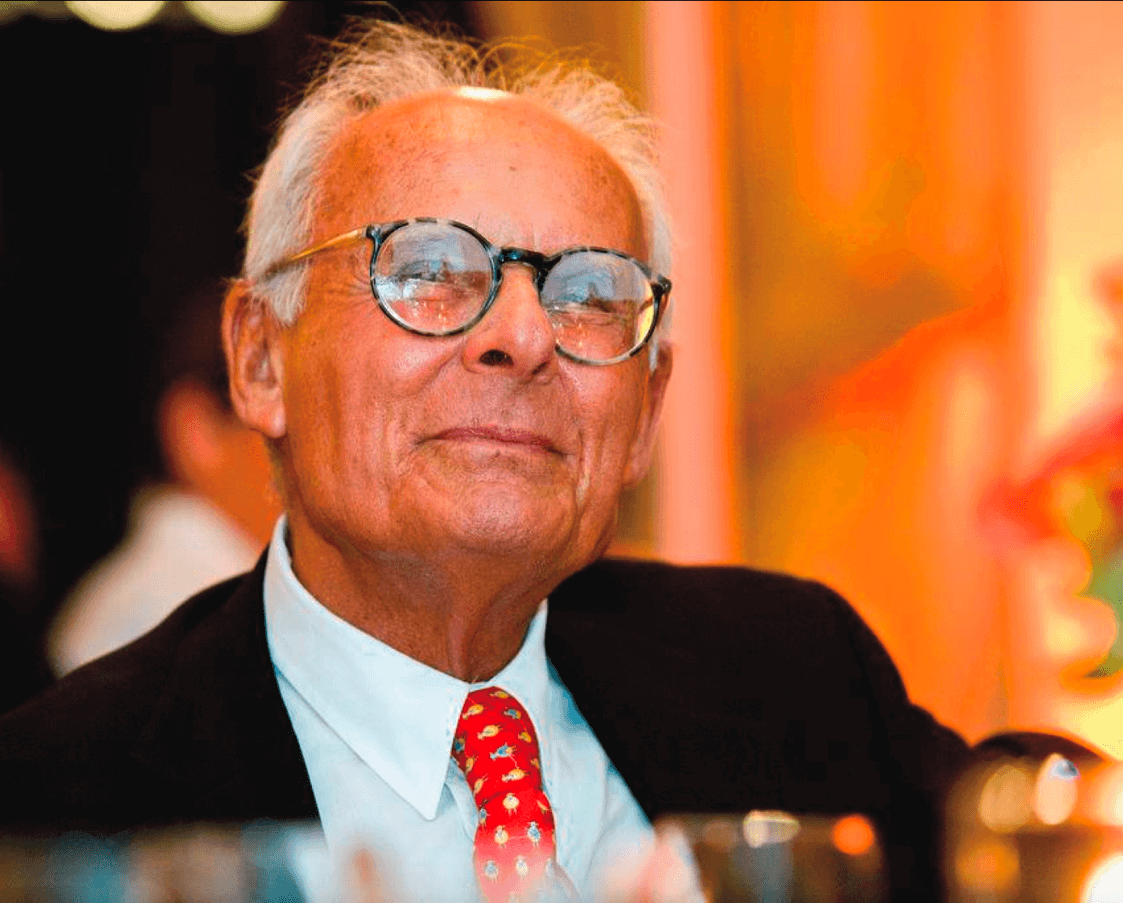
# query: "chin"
[[504, 527]]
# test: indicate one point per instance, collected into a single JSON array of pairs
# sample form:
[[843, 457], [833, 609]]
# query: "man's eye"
[[436, 286], [593, 313], [595, 303], [585, 301], [443, 275], [423, 271]]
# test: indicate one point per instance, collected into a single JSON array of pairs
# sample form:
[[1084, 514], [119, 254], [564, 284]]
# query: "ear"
[[643, 442], [254, 344]]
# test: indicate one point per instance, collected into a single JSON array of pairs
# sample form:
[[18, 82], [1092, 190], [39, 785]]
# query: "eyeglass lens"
[[435, 278]]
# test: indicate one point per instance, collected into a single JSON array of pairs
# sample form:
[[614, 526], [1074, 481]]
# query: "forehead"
[[503, 164]]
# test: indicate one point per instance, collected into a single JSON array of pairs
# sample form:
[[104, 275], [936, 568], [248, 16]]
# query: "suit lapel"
[[220, 734]]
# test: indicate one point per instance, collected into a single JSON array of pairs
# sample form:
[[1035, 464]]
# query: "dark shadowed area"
[[126, 159]]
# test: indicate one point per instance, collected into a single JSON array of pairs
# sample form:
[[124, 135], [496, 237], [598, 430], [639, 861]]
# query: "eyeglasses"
[[437, 277]]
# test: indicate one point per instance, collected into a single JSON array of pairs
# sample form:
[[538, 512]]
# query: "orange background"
[[899, 235]]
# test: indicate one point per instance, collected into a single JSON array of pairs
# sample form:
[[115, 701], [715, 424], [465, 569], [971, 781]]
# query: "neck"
[[463, 614]]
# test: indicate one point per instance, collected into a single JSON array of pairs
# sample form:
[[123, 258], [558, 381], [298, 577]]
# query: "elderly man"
[[448, 330]]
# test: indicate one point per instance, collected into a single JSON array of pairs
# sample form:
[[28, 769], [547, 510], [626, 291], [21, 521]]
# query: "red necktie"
[[497, 749]]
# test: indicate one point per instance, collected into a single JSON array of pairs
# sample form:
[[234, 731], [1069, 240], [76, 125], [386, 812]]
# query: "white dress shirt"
[[178, 543], [376, 727]]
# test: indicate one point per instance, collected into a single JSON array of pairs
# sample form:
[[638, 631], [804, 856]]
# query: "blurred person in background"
[[23, 670], [208, 521], [448, 331]]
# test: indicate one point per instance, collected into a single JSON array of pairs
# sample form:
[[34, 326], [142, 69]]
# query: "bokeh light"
[[988, 867], [1006, 802], [853, 835], [115, 15], [235, 17], [1054, 795], [1105, 882], [762, 828]]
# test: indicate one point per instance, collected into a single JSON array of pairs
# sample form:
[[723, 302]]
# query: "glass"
[[765, 857], [266, 863], [1040, 827], [437, 277], [256, 863]]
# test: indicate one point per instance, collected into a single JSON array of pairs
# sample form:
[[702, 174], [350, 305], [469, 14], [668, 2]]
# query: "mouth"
[[504, 437]]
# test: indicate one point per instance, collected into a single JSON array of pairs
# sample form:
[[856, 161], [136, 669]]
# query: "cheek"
[[319, 385], [613, 414], [353, 409]]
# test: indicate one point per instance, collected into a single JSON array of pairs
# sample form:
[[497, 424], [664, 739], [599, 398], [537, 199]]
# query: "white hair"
[[384, 62]]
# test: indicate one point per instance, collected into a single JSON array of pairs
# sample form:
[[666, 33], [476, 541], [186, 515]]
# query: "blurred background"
[[898, 282]]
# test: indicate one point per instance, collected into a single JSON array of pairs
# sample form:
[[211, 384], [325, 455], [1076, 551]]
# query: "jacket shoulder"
[[729, 689], [734, 629], [724, 605], [73, 742], [660, 581]]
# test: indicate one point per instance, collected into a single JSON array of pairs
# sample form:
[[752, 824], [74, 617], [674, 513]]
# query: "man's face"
[[402, 447]]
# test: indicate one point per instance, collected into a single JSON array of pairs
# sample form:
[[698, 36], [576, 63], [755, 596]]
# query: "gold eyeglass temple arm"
[[347, 238]]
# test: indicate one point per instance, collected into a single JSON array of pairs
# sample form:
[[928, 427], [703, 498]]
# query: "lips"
[[516, 438]]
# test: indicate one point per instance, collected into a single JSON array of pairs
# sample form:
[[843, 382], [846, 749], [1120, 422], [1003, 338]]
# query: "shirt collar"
[[395, 713]]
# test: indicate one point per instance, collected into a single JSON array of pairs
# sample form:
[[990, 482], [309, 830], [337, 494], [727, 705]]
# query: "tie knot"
[[496, 746]]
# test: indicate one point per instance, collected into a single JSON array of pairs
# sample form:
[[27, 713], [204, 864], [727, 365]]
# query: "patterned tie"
[[496, 748]]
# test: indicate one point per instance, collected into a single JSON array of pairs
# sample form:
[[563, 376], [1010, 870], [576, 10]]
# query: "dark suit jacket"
[[710, 689]]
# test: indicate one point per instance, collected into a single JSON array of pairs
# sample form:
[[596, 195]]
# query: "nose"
[[515, 336]]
